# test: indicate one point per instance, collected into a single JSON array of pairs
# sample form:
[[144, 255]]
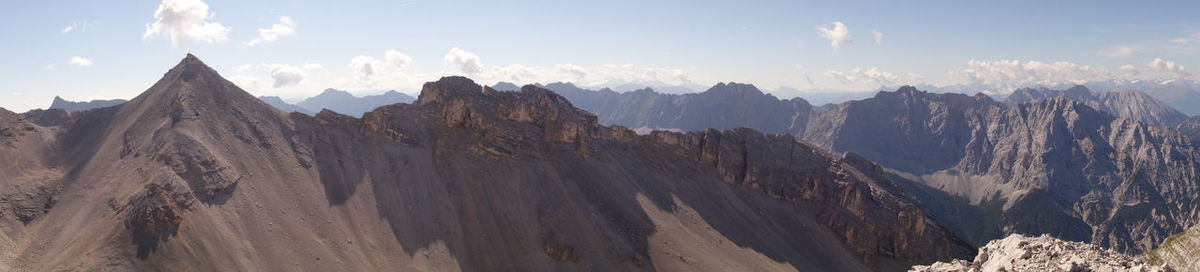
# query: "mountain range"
[[71, 106], [197, 174], [1126, 103], [1046, 162]]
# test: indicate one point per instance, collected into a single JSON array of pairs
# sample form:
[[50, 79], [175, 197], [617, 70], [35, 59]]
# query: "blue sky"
[[346, 44]]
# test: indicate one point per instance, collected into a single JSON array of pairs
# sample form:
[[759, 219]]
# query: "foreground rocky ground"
[[1043, 253]]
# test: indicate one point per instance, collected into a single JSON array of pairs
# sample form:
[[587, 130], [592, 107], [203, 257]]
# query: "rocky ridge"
[[723, 106], [197, 174], [1055, 166], [1043, 253], [71, 106], [1129, 103]]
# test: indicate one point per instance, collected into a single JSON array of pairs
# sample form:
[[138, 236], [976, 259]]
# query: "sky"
[[93, 49]]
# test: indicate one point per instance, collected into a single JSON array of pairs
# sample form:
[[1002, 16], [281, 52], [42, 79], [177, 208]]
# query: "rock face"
[[196, 174], [1055, 166], [345, 103], [47, 118], [1043, 253], [1179, 251], [1129, 103], [983, 168], [724, 106], [1181, 94], [71, 106]]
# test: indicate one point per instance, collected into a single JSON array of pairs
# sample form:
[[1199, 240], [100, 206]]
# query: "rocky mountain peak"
[[1129, 104], [1078, 90], [735, 88], [460, 102]]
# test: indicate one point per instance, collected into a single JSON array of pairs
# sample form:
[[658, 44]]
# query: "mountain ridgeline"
[[195, 174], [723, 106], [1046, 162], [1129, 104]]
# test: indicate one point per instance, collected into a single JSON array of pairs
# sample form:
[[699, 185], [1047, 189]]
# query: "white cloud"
[[250, 84], [397, 59], [1123, 51], [467, 62], [286, 26], [242, 68], [1168, 66], [799, 44], [837, 34], [1006, 75], [182, 20], [577, 71], [872, 75], [368, 69], [1191, 39], [365, 67], [286, 75], [49, 67], [74, 27], [878, 36], [78, 61]]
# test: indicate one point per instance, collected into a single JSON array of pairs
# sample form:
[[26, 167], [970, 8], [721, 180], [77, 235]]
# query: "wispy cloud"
[[878, 36], [78, 61], [286, 26], [1123, 51]]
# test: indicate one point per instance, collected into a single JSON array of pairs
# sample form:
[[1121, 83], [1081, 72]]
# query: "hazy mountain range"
[[70, 106]]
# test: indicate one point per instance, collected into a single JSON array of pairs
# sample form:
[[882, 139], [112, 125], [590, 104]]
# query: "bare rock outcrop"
[[47, 118], [1043, 253]]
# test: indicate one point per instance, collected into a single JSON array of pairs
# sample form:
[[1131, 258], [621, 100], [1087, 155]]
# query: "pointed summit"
[[192, 90]]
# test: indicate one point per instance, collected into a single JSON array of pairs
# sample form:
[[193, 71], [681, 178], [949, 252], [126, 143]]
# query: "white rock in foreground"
[[1044, 253]]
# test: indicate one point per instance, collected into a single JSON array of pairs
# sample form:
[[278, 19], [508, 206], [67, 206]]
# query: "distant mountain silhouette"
[[1129, 103], [506, 86], [71, 106], [345, 103], [724, 106], [278, 103]]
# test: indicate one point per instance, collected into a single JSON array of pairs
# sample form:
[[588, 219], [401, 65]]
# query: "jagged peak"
[[903, 91], [460, 100], [735, 88], [447, 88]]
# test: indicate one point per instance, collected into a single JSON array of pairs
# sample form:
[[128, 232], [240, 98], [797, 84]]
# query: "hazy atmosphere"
[[85, 50]]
